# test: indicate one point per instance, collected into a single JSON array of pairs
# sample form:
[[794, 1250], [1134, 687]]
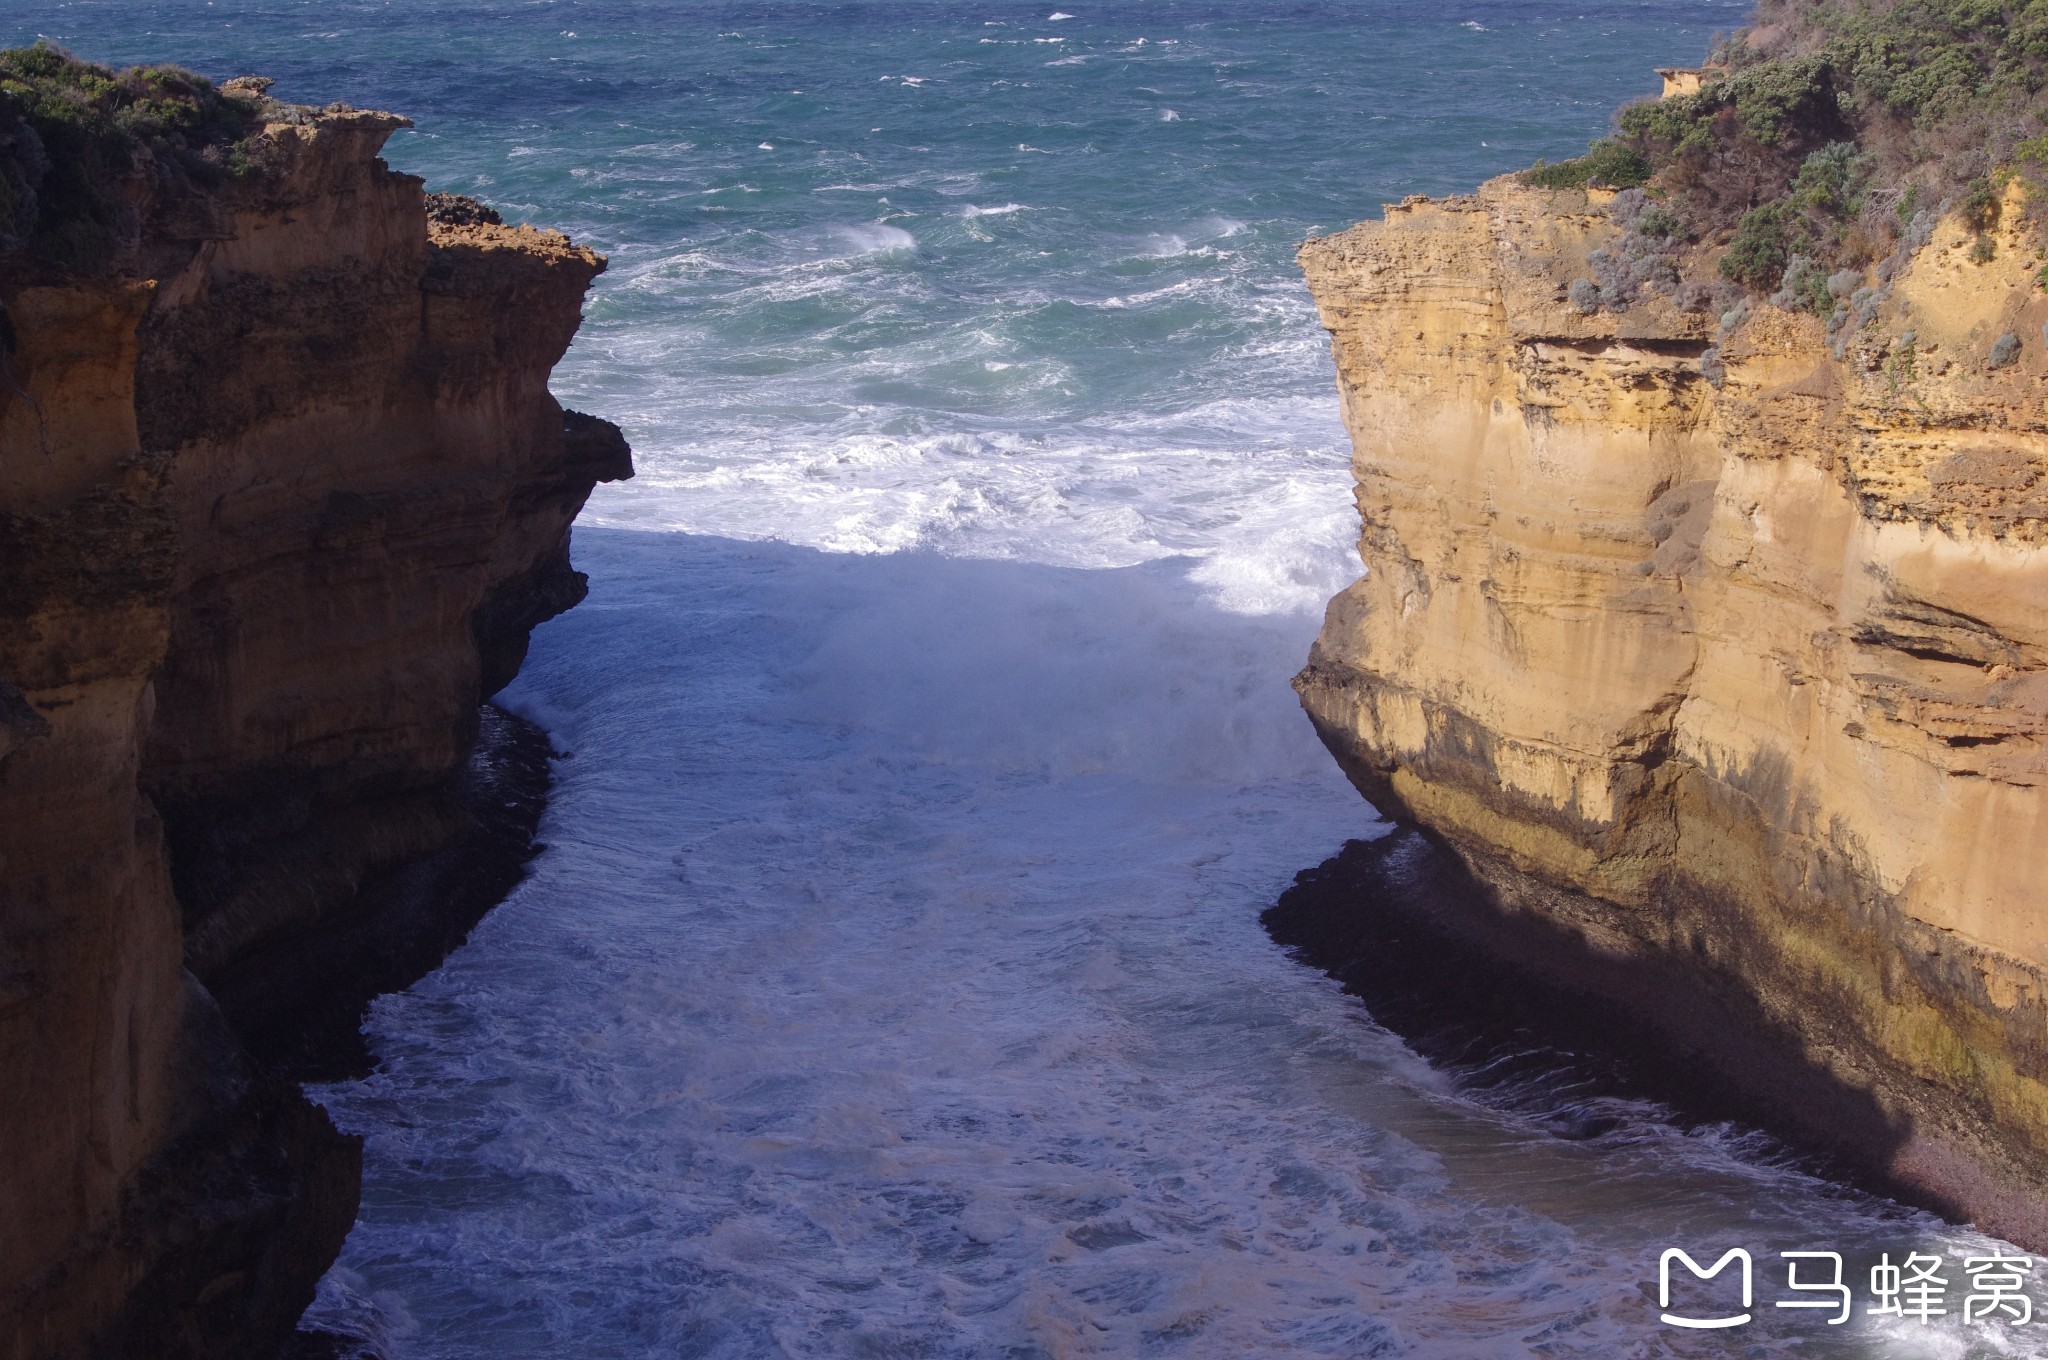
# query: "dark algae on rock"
[[282, 493], [1522, 1011]]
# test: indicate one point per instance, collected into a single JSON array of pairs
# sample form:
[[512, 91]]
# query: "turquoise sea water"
[[897, 232], [892, 985]]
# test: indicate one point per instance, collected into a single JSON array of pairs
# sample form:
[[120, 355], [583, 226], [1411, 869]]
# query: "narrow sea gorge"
[[892, 981]]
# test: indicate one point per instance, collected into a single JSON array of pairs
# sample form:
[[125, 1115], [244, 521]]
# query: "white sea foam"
[[1080, 502], [874, 238], [892, 982], [918, 994]]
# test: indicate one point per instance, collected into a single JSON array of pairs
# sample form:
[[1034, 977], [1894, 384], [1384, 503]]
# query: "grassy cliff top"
[[1826, 138], [86, 150]]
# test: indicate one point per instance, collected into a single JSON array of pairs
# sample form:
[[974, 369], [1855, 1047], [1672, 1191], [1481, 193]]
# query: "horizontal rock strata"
[[1721, 659], [280, 498]]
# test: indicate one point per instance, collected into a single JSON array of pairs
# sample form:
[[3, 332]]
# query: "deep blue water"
[[892, 984]]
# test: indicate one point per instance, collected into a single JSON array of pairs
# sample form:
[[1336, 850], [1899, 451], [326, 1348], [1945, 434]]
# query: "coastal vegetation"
[[1825, 140], [74, 136]]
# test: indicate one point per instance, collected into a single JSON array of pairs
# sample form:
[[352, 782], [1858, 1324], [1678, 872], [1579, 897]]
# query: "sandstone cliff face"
[[1722, 660], [276, 513]]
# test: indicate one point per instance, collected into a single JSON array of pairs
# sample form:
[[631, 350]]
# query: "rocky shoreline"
[[298, 1003], [1521, 1013]]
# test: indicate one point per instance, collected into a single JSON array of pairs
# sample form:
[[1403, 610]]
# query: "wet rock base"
[[298, 1003], [1523, 1014]]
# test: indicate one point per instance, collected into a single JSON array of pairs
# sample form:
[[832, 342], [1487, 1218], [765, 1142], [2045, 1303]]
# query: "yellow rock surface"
[[1744, 678], [275, 515]]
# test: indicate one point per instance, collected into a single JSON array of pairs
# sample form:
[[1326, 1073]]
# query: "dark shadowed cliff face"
[[282, 492]]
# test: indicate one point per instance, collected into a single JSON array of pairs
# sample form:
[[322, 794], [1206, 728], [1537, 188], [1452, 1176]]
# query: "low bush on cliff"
[[1829, 134], [1607, 165], [74, 135]]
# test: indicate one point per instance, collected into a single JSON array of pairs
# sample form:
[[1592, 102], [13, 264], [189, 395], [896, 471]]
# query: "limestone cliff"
[[1718, 650], [282, 491]]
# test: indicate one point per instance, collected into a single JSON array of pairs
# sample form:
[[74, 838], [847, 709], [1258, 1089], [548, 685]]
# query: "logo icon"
[[1664, 1286]]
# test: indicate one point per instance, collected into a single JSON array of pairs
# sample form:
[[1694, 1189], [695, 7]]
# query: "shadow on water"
[[1526, 1017], [892, 982], [1129, 671], [298, 1001]]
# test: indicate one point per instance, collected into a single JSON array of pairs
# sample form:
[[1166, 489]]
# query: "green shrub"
[[1980, 206], [2032, 153], [1934, 60], [1762, 246], [1809, 290], [94, 127], [1831, 181], [1608, 164], [1824, 107], [1658, 223], [1776, 99], [1675, 127], [1771, 104]]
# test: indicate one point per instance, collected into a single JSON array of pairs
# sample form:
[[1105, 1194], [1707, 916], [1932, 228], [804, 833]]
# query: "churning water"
[[892, 983]]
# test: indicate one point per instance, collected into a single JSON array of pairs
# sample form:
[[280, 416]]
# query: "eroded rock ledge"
[[279, 503], [1720, 658]]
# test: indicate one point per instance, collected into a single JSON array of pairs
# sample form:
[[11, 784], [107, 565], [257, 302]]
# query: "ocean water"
[[892, 983]]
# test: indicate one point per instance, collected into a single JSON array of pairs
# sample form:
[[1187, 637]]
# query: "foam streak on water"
[[892, 983]]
